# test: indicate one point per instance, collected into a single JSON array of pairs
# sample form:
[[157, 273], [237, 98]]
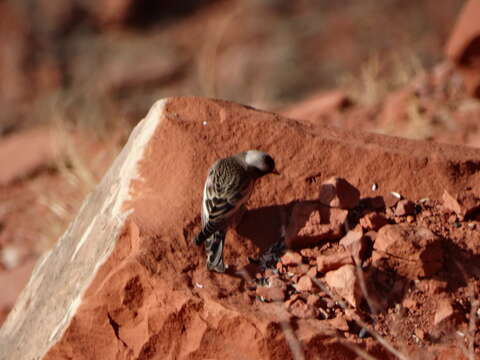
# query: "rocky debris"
[[311, 223], [355, 243], [373, 221], [33, 151], [344, 282], [291, 258], [445, 314], [410, 303], [305, 284], [339, 323], [433, 286], [405, 207], [339, 193], [462, 47], [274, 291], [327, 263], [413, 252], [126, 263], [301, 309], [465, 204], [391, 199]]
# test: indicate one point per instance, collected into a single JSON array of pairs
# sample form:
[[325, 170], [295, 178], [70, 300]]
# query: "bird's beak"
[[275, 172]]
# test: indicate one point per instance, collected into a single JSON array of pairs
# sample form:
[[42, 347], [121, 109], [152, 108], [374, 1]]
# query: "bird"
[[228, 187]]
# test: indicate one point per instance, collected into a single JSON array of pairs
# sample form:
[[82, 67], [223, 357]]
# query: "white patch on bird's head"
[[259, 160]]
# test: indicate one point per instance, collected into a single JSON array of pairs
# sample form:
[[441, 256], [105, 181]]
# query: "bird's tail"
[[208, 230], [214, 250]]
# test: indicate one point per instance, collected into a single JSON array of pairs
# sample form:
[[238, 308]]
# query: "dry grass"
[[380, 75], [76, 171]]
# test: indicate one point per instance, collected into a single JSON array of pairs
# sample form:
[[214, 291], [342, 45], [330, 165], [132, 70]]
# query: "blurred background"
[[77, 75]]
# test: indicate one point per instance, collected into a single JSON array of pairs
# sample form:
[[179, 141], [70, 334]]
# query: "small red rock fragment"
[[464, 204], [311, 223], [390, 200], [339, 193], [339, 323], [275, 291], [354, 243], [312, 272], [410, 303], [419, 333], [405, 207], [445, 312], [344, 282], [308, 252], [291, 258], [373, 221], [271, 293], [414, 252], [302, 310], [305, 284], [327, 263]]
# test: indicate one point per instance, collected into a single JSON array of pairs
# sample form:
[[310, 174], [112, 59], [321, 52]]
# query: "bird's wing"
[[223, 195]]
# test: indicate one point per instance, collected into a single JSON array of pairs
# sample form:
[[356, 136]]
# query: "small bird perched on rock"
[[228, 186]]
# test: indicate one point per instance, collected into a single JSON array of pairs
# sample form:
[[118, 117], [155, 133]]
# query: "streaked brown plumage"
[[228, 186]]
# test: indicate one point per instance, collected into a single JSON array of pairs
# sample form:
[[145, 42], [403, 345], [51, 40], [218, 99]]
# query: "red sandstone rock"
[[305, 284], [125, 271], [413, 252], [445, 315], [405, 207], [464, 204], [291, 258], [344, 282], [334, 261], [373, 221], [338, 192], [311, 223], [463, 49]]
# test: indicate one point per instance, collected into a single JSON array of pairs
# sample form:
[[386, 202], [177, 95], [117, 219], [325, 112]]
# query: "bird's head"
[[259, 163]]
